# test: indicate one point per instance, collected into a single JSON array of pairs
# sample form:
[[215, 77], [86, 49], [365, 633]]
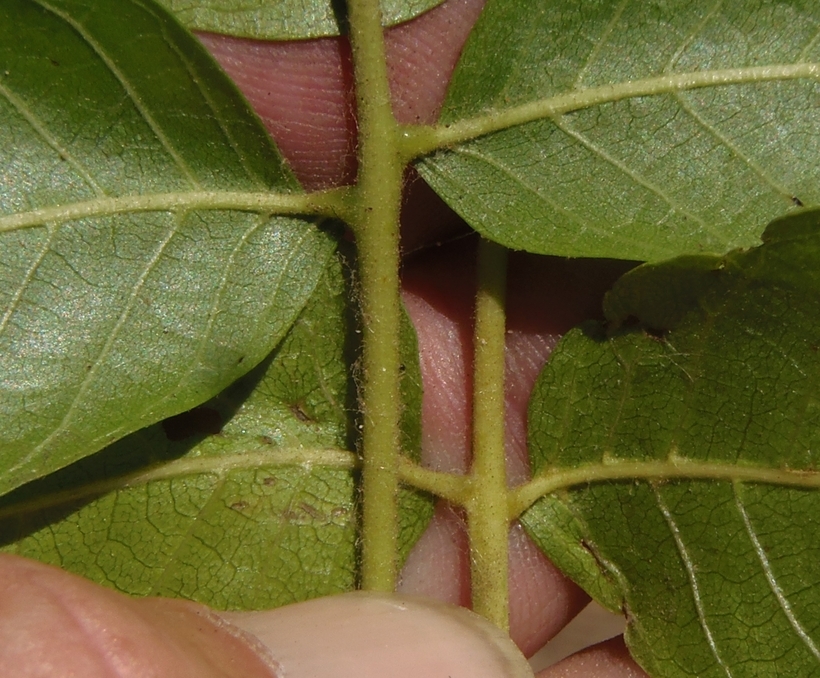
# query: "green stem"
[[672, 468], [375, 224], [330, 203], [452, 487], [418, 140], [487, 507]]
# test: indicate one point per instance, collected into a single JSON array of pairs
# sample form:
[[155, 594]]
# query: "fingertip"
[[369, 635], [53, 623]]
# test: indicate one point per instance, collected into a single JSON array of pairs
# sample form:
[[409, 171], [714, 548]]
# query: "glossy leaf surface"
[[646, 132], [283, 19], [246, 502], [691, 426], [131, 287]]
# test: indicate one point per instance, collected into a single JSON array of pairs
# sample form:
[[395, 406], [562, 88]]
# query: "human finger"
[[302, 90], [55, 624], [609, 659]]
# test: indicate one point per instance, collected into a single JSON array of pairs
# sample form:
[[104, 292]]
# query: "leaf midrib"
[[217, 465], [672, 468], [327, 203], [422, 140]]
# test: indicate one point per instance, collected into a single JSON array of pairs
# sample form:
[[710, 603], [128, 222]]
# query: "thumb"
[[370, 635], [53, 623]]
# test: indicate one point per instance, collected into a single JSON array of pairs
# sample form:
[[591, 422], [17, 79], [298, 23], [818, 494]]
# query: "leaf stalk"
[[375, 225], [487, 506]]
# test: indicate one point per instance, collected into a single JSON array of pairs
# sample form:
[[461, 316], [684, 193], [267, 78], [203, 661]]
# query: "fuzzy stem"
[[375, 224], [487, 508]]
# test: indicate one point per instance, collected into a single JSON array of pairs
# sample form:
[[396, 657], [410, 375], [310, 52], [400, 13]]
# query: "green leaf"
[[679, 445], [246, 502], [140, 270], [283, 19], [632, 131]]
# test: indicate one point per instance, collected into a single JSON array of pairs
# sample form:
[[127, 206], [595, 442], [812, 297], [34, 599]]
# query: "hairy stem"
[[419, 140], [375, 224], [487, 506]]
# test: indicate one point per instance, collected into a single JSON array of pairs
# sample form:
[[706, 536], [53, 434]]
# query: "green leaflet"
[[679, 446], [640, 132], [283, 19], [140, 271], [261, 514]]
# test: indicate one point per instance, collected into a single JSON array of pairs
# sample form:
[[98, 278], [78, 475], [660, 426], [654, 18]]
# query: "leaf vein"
[[772, 580], [729, 144], [172, 557], [691, 37], [809, 46], [602, 41], [689, 566], [42, 130], [109, 343], [326, 203], [633, 175], [558, 207], [219, 465], [146, 115], [204, 91], [212, 316], [27, 278]]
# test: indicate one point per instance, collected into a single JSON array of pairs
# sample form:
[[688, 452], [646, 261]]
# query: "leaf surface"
[[679, 445], [246, 502], [633, 132], [139, 275], [283, 19]]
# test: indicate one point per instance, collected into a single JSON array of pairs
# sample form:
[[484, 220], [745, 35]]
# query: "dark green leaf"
[[681, 441], [138, 275], [248, 501], [283, 19], [620, 155]]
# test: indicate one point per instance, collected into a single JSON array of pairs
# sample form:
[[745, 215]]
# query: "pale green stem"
[[673, 468], [486, 507], [450, 486], [331, 203], [418, 140], [375, 224]]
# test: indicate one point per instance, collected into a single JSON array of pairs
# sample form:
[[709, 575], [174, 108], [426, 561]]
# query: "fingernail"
[[369, 635]]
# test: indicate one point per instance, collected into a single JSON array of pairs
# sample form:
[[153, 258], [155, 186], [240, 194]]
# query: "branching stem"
[[375, 224]]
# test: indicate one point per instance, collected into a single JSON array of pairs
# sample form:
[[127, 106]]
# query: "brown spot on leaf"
[[312, 511], [299, 412]]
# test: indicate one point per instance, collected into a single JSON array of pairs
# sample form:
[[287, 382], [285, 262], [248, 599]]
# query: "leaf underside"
[[113, 317], [246, 502], [703, 390], [283, 19], [634, 177]]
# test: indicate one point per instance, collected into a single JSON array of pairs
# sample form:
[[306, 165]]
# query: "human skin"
[[302, 93]]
